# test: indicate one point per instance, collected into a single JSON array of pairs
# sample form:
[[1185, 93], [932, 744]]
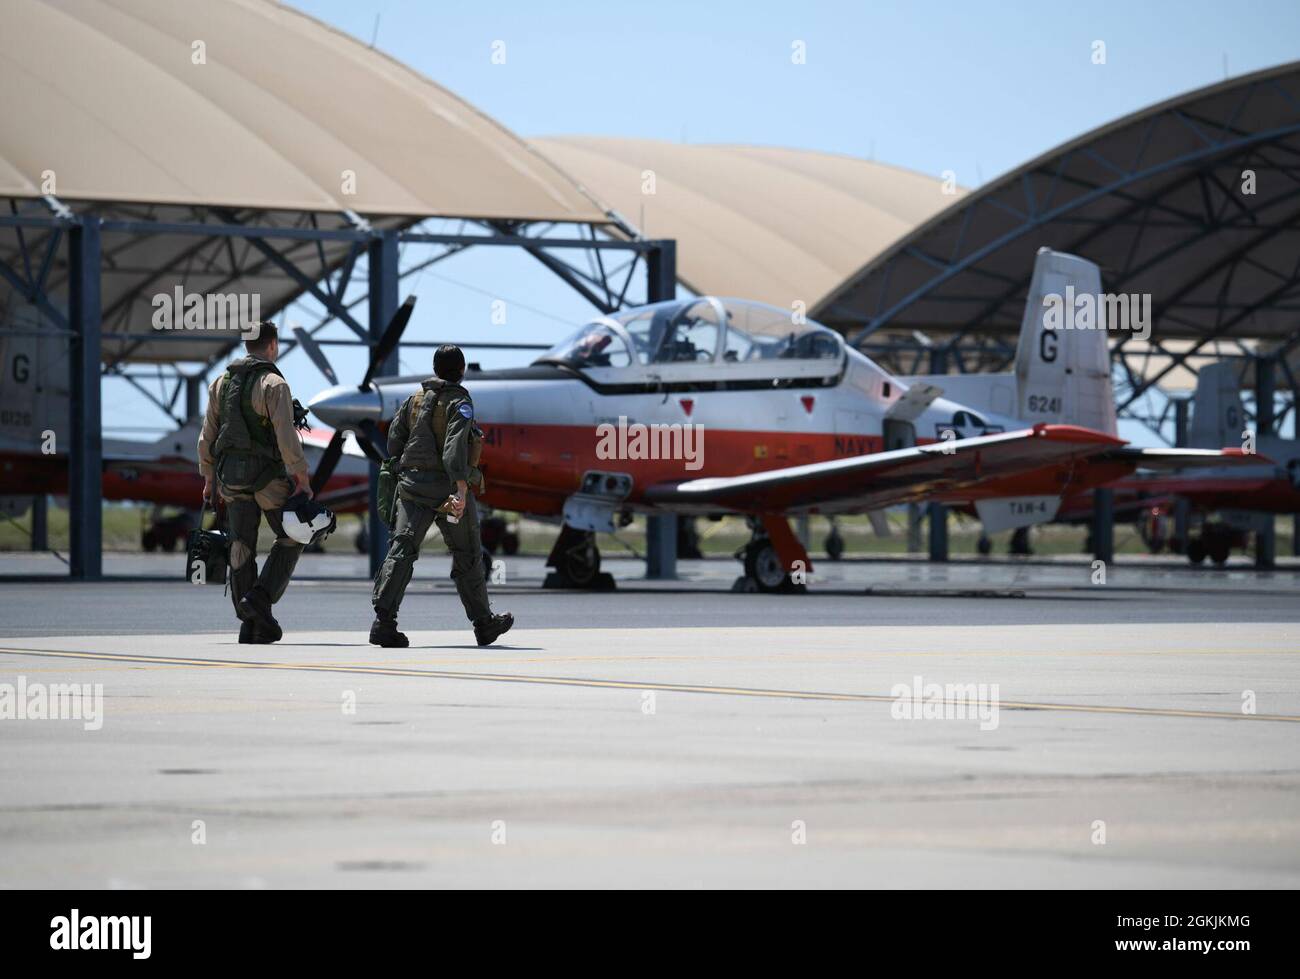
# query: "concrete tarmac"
[[1142, 733]]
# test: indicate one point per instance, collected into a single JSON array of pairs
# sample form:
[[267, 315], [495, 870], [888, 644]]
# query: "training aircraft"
[[1225, 503], [708, 406]]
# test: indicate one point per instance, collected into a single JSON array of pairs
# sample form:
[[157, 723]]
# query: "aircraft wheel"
[[581, 563], [1219, 551], [362, 540], [149, 542], [764, 567], [1020, 543], [834, 545], [984, 546], [510, 543], [1196, 550]]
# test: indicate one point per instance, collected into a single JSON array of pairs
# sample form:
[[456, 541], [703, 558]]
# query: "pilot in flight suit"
[[250, 445], [435, 436]]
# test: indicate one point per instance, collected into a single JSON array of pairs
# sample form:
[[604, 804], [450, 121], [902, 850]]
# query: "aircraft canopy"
[[732, 336]]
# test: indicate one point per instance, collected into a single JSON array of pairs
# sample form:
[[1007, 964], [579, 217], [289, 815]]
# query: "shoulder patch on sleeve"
[[466, 410]]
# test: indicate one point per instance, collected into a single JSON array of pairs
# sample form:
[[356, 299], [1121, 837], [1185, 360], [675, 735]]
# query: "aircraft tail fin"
[[1063, 358], [1217, 413]]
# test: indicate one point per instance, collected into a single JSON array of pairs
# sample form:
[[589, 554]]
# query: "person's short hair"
[[259, 336], [449, 362]]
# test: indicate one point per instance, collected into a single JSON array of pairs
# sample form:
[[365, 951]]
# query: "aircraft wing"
[[1168, 460], [885, 478], [122, 462]]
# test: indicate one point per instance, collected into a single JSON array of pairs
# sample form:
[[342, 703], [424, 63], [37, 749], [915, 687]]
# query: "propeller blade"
[[388, 342], [316, 354], [372, 442], [328, 460]]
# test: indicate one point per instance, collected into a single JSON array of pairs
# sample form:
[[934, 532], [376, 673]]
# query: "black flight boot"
[[255, 607], [249, 632], [489, 630], [384, 632]]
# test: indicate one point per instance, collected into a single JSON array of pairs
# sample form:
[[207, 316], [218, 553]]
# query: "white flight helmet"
[[306, 521]]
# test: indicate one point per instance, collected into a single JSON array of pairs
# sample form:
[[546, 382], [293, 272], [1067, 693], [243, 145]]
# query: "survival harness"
[[247, 455], [419, 410]]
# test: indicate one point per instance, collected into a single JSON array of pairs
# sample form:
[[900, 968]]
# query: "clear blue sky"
[[976, 87], [973, 87]]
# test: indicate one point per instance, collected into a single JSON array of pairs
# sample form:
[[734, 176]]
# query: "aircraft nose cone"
[[343, 406]]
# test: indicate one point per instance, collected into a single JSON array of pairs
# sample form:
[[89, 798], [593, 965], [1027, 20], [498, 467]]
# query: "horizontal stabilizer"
[[915, 400]]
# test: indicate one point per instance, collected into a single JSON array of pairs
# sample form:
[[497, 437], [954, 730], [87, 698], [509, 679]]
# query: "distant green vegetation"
[[124, 525]]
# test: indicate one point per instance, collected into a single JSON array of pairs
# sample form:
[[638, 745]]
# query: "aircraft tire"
[[1196, 550], [834, 546], [580, 566], [764, 568]]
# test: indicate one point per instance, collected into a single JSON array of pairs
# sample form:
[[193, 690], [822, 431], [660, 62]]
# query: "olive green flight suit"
[[259, 430], [428, 475]]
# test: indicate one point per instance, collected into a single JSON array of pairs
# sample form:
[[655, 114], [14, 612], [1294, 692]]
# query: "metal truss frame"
[[235, 245], [1144, 210]]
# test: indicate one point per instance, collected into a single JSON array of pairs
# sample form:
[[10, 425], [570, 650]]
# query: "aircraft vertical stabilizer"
[[1218, 417], [1063, 360]]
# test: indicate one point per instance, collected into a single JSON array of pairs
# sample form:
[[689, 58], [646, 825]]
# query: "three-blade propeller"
[[369, 438]]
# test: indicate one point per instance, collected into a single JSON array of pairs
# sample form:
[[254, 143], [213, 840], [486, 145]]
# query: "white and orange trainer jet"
[[724, 406]]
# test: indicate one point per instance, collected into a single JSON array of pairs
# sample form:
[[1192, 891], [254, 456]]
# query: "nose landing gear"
[[576, 561]]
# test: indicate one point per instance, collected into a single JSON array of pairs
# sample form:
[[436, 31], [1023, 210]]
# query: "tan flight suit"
[[270, 398]]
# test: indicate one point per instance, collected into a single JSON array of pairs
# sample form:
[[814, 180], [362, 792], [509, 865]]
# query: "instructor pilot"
[[250, 445], [438, 445]]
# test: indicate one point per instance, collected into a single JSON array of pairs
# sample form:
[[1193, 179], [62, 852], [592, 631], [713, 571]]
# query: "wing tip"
[[1075, 433]]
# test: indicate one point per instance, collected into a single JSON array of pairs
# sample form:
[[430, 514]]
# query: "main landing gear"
[[1215, 541], [834, 542], [774, 560], [166, 532], [576, 563]]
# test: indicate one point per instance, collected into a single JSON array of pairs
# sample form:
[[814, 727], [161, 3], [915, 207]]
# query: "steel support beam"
[[938, 514], [914, 521], [661, 530], [85, 451], [1103, 525], [193, 394], [383, 305], [1182, 506], [939, 360], [40, 523], [1265, 389]]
